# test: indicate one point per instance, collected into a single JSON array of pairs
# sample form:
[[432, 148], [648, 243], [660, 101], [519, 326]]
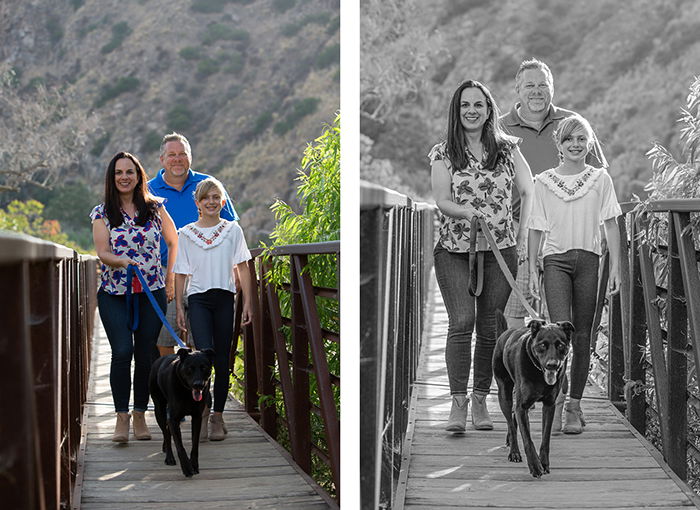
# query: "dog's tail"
[[501, 323]]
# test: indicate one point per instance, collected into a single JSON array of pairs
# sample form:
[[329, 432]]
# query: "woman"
[[473, 172], [127, 229], [210, 251], [570, 203]]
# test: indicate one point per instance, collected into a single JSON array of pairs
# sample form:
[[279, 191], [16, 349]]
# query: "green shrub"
[[120, 32], [179, 118], [35, 83], [77, 4], [333, 26], [191, 53], [151, 142], [55, 29], [208, 6], [300, 109], [100, 145], [329, 56], [283, 5], [319, 18], [219, 31], [232, 62], [207, 67], [261, 123], [123, 85]]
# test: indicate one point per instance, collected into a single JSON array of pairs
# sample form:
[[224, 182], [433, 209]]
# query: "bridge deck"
[[608, 466], [247, 470]]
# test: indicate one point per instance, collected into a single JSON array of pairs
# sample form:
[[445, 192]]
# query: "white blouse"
[[569, 209], [209, 255]]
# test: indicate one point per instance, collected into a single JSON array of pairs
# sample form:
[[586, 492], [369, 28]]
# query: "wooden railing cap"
[[15, 247]]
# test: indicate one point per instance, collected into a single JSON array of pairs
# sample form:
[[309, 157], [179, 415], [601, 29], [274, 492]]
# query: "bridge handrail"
[[270, 364], [635, 317], [396, 239], [47, 316]]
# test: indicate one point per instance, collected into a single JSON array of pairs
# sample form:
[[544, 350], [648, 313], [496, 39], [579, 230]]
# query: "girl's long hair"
[[146, 204], [493, 137]]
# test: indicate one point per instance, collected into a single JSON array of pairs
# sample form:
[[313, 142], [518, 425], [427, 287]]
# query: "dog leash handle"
[[132, 270]]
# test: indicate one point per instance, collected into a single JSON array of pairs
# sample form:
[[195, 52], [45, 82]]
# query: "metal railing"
[[655, 320], [396, 240], [296, 364], [47, 317]]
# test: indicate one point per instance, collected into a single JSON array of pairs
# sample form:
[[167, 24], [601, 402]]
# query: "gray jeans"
[[465, 311], [571, 287]]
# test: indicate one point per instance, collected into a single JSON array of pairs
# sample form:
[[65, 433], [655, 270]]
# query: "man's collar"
[[513, 118], [160, 182]]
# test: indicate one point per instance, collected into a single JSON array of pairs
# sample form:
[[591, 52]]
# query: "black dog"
[[529, 364], [179, 386]]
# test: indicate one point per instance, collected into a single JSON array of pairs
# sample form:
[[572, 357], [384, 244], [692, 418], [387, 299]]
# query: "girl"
[[127, 229], [571, 201], [209, 250], [473, 173]]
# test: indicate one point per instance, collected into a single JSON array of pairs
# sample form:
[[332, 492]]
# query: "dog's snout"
[[552, 364]]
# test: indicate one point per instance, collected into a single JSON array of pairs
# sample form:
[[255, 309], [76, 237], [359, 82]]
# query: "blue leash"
[[133, 306]]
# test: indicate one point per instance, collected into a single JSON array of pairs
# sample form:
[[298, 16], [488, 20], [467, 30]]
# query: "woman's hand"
[[534, 283], [126, 262], [170, 286]]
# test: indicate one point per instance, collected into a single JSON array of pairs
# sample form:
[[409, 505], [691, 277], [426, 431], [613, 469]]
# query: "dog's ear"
[[567, 328], [535, 325], [210, 354], [183, 353]]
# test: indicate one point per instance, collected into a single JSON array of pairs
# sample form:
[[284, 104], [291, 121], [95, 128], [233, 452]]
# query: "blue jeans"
[[211, 320], [139, 344], [464, 310], [571, 288]]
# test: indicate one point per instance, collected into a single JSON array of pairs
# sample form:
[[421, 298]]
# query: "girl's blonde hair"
[[571, 124], [206, 186]]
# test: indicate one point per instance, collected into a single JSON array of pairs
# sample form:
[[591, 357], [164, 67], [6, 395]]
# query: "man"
[[176, 182], [533, 119]]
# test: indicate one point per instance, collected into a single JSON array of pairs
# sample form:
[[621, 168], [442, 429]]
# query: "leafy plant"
[[27, 218], [300, 109], [55, 29], [123, 85], [120, 32], [151, 142], [328, 56], [100, 145], [219, 31], [179, 117], [191, 53], [283, 5]]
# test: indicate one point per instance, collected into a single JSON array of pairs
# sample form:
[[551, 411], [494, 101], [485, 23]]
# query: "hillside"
[[625, 66], [249, 82]]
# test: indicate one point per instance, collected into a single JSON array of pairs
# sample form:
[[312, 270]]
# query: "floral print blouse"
[[487, 190], [142, 244]]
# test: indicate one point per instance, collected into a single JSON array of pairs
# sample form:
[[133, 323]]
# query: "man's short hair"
[[175, 137], [533, 63]]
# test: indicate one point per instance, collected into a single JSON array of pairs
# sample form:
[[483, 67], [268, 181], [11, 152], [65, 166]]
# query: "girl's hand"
[[534, 284], [521, 246], [614, 280], [170, 287], [181, 322], [247, 317]]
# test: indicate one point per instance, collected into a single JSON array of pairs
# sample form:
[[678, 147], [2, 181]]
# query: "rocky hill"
[[249, 82], [626, 66]]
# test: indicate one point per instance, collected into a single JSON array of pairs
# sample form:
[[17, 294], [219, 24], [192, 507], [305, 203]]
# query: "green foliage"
[[100, 145], [122, 85], [179, 118], [261, 123], [27, 218], [208, 6], [191, 52], [333, 26], [35, 83], [299, 110], [232, 62], [120, 32], [319, 220], [283, 5], [207, 67], [220, 32], [151, 141], [55, 29], [320, 18], [329, 56], [77, 4]]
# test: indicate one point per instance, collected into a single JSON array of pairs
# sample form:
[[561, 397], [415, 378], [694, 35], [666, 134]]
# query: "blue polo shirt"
[[180, 204]]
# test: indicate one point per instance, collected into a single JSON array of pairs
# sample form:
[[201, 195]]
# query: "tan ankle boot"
[[574, 421], [218, 430], [480, 414], [121, 429], [141, 431], [204, 431], [457, 422]]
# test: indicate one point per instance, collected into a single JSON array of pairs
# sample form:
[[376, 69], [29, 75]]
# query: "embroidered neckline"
[[567, 190], [212, 239]]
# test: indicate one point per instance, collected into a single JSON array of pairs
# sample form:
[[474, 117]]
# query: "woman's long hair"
[[145, 203], [492, 135]]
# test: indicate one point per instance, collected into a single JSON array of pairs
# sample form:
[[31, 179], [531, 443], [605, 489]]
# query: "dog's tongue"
[[197, 395], [550, 376]]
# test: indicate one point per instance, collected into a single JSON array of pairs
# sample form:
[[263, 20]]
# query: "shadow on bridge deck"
[[608, 466], [247, 470]]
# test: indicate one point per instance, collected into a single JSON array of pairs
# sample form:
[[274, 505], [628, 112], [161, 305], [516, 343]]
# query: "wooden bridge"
[[57, 418], [652, 331]]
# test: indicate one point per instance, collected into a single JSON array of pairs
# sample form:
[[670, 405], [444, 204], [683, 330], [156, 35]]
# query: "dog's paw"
[[187, 469], [545, 464], [170, 460], [515, 457], [536, 468], [195, 467]]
